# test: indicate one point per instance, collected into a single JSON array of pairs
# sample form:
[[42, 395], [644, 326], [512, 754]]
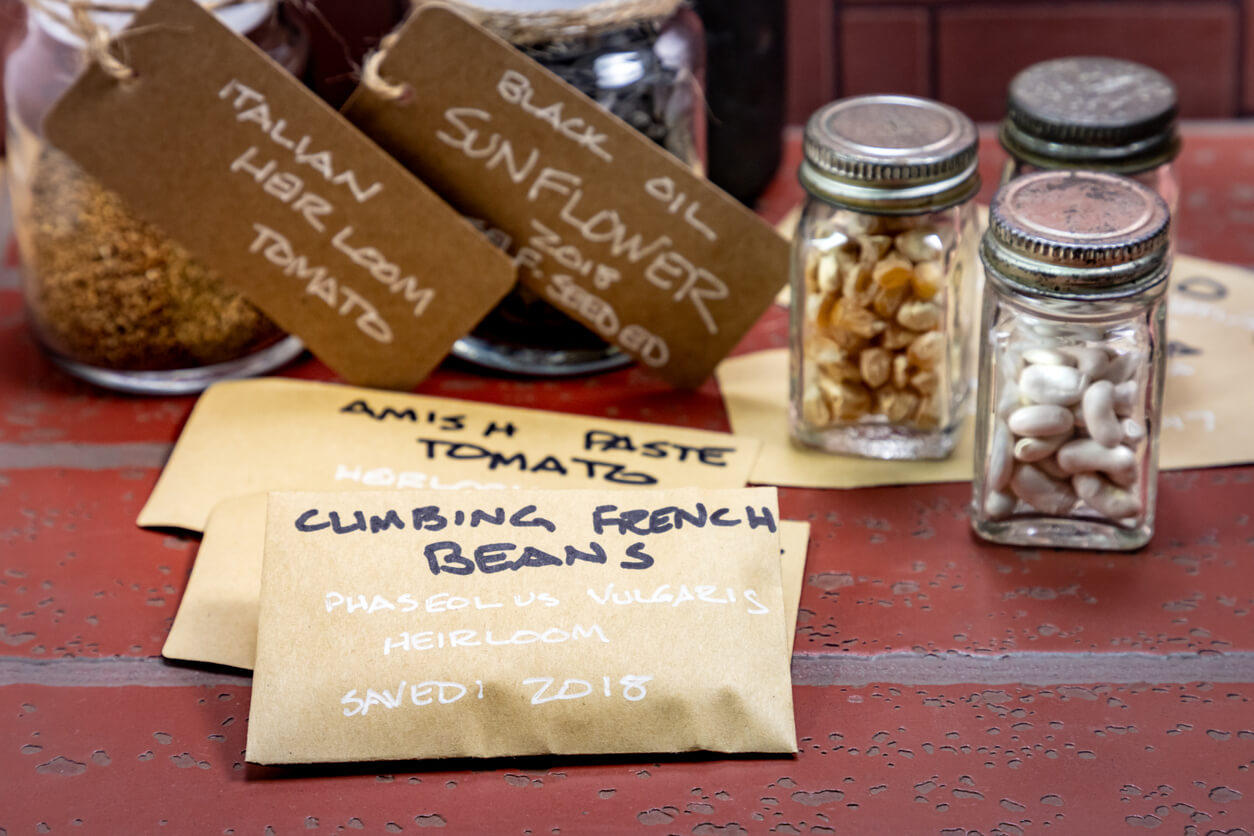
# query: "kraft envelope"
[[263, 435], [216, 621], [1210, 319], [402, 625]]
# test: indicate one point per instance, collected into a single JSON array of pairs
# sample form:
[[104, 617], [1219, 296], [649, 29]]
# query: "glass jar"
[[1072, 360], [882, 279], [109, 297], [1098, 114], [643, 61]]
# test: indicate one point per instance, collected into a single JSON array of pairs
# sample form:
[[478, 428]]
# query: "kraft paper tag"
[[603, 224], [399, 625], [216, 621], [255, 436], [228, 153], [1210, 323]]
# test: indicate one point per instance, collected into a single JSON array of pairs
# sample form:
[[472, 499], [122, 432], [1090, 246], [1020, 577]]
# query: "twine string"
[[524, 28], [96, 37], [372, 73]]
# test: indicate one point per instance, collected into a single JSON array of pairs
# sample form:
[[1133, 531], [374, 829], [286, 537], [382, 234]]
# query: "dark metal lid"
[[890, 153], [1077, 234], [1089, 112]]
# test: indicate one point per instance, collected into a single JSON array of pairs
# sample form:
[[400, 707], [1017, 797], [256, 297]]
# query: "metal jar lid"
[[1077, 235], [1099, 113], [890, 154]]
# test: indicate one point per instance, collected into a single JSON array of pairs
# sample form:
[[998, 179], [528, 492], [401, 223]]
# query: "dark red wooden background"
[[960, 51]]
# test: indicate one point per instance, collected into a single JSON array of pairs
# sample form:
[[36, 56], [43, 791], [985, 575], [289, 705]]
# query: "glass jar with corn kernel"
[[883, 279]]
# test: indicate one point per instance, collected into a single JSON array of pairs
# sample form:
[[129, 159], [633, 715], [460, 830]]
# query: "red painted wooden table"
[[941, 685]]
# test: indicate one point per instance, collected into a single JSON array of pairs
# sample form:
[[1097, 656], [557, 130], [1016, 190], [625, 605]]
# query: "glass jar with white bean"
[[883, 279], [1071, 362]]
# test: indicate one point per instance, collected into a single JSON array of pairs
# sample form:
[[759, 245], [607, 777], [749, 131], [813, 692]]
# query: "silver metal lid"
[[894, 154], [1077, 234], [1088, 112]]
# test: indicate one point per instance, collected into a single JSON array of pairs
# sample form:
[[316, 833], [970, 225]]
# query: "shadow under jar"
[[110, 298], [883, 279], [643, 61], [1072, 362]]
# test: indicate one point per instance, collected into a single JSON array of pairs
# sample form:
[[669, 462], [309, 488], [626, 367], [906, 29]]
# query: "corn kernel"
[[897, 405], [918, 315], [857, 320], [928, 280], [896, 337], [876, 365], [920, 244], [927, 350], [887, 300], [894, 271]]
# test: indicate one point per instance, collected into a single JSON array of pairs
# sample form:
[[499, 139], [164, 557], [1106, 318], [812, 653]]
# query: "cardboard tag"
[[228, 153], [604, 224], [216, 621], [1210, 320], [265, 435], [467, 624]]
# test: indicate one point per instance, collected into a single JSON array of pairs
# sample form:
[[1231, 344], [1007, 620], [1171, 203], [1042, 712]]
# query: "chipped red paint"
[[101, 736]]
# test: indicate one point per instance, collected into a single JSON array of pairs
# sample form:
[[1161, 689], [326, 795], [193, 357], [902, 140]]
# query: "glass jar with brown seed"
[[109, 297]]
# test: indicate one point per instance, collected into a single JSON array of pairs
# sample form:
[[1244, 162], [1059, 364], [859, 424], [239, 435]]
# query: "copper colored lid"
[[1077, 233]]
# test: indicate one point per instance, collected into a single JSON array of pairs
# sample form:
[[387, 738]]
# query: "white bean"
[[1049, 496], [999, 505], [1099, 414], [1123, 367], [1041, 420], [1050, 468], [1125, 397], [1047, 357], [1009, 399], [1060, 385], [1090, 361], [1000, 457], [1105, 498], [1133, 432], [1085, 455], [1035, 449]]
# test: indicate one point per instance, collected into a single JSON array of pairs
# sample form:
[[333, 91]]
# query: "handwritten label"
[[263, 435], [226, 151], [600, 221], [217, 617], [393, 623]]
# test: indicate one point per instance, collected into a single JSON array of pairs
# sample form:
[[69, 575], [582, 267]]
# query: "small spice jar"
[[882, 279], [643, 61], [1099, 114], [1072, 359], [110, 297]]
